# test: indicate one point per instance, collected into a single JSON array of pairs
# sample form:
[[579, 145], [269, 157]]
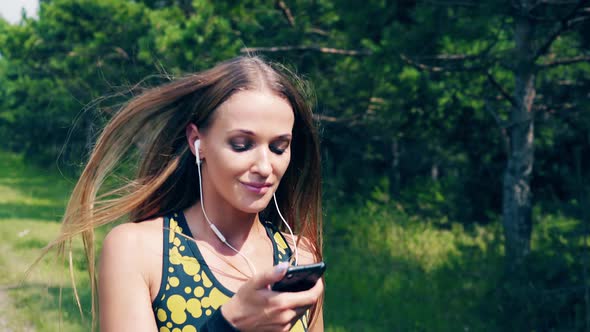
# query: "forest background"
[[455, 146]]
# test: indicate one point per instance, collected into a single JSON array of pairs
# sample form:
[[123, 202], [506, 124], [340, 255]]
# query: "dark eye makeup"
[[241, 144], [280, 147]]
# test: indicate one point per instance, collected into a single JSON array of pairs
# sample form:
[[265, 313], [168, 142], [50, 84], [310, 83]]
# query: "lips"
[[257, 188]]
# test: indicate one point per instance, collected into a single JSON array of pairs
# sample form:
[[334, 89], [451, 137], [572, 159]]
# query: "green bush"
[[548, 292], [389, 271]]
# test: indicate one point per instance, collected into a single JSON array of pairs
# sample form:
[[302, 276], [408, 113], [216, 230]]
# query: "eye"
[[240, 144], [279, 147]]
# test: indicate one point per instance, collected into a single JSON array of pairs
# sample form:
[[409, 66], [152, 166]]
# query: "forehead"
[[261, 112]]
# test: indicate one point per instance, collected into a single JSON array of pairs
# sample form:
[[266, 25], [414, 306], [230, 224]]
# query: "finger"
[[270, 276], [318, 287], [297, 299]]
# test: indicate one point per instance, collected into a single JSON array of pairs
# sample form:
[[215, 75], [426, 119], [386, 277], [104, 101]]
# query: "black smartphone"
[[300, 278]]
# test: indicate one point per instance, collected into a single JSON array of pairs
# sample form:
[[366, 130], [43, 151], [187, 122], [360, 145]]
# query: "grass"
[[31, 202], [392, 272], [389, 272]]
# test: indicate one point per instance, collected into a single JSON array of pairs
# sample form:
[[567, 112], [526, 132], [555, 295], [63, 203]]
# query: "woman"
[[207, 238]]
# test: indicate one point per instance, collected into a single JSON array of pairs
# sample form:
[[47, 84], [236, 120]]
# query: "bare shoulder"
[[134, 246], [127, 275], [132, 237]]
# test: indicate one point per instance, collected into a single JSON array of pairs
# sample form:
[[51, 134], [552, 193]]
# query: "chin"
[[255, 206], [251, 210]]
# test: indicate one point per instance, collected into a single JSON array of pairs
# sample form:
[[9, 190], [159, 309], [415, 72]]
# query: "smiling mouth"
[[257, 188]]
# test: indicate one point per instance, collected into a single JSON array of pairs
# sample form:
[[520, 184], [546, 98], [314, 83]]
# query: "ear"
[[192, 134]]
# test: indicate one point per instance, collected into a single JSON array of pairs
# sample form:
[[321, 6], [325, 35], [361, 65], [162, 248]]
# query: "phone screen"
[[300, 278]]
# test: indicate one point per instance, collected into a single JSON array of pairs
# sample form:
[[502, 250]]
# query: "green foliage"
[[389, 271], [399, 119], [548, 293], [411, 116], [186, 44], [407, 274], [439, 121], [76, 52]]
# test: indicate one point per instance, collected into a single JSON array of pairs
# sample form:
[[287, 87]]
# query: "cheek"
[[225, 167], [230, 169]]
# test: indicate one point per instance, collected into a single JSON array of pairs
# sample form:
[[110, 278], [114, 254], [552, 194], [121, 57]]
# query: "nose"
[[262, 165]]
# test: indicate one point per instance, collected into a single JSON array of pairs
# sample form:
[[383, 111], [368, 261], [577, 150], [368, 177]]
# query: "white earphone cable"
[[218, 232], [288, 227], [211, 225]]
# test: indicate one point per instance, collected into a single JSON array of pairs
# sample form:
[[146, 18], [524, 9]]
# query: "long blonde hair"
[[152, 125]]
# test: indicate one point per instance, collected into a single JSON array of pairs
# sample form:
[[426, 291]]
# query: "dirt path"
[[4, 304], [5, 313]]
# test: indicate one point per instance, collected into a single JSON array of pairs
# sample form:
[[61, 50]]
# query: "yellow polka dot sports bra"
[[190, 295]]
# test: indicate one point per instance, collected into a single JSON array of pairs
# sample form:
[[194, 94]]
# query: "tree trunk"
[[517, 200]]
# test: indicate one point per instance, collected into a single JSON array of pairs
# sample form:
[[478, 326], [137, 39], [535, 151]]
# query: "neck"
[[236, 226]]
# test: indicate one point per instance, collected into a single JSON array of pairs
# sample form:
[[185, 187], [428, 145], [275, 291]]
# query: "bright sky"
[[11, 9]]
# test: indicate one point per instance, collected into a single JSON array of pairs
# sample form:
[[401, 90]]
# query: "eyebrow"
[[251, 133]]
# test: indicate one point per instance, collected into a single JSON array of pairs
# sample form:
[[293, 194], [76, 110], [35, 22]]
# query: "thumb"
[[270, 276]]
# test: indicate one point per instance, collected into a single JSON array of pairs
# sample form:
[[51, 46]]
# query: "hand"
[[255, 307]]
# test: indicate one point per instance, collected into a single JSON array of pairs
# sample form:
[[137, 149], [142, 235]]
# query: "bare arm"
[[123, 289], [317, 325], [307, 257]]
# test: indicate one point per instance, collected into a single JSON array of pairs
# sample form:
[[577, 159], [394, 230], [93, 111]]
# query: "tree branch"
[[279, 4], [564, 25], [451, 62], [350, 121], [453, 3], [420, 66], [556, 2], [566, 113], [501, 89], [565, 61], [320, 32], [448, 57], [320, 49]]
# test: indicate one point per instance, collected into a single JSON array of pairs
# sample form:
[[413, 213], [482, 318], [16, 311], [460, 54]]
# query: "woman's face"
[[246, 150]]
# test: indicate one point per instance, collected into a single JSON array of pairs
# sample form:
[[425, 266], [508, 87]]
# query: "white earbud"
[[197, 154]]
